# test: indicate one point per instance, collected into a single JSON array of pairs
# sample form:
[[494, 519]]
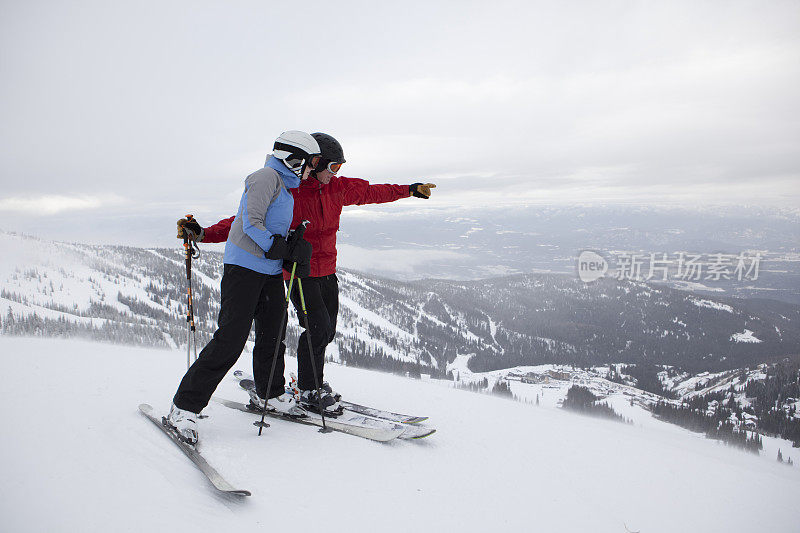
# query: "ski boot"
[[308, 399], [285, 404], [183, 423], [327, 388], [311, 401]]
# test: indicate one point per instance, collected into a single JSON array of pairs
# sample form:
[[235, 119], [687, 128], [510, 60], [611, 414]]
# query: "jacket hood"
[[290, 181]]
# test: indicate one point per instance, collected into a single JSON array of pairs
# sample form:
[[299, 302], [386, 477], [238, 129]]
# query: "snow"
[[47, 273], [375, 319], [470, 231], [459, 365], [712, 305], [555, 380], [695, 287], [366, 318], [18, 309], [745, 336], [197, 274], [77, 456]]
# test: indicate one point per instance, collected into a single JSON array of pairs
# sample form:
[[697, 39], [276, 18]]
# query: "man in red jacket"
[[320, 201]]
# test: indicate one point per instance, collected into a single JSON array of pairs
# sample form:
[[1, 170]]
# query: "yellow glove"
[[421, 190]]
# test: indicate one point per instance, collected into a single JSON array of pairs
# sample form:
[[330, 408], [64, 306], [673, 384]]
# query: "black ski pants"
[[322, 303], [246, 296]]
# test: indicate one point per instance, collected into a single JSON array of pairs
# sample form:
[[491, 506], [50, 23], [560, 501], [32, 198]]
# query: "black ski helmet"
[[330, 148]]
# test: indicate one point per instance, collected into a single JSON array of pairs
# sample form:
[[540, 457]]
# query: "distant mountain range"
[[138, 295], [491, 241], [546, 318]]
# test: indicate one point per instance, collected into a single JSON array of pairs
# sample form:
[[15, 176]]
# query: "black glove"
[[295, 250], [300, 252], [279, 248], [421, 190], [301, 270], [190, 225]]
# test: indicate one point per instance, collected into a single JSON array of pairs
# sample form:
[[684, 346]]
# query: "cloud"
[[529, 102], [46, 205]]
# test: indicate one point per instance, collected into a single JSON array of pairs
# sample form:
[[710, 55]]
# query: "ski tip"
[[240, 492], [415, 420], [145, 408], [425, 435]]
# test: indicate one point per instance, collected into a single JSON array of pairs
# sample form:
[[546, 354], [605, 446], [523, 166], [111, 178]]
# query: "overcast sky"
[[119, 116]]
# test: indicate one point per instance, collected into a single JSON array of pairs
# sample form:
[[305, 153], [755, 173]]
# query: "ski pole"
[[191, 251], [325, 428], [261, 425]]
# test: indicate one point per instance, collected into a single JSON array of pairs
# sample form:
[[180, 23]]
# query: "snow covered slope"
[[547, 385], [77, 456]]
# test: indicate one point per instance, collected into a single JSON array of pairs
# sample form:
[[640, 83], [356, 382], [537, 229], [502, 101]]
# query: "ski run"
[[77, 455]]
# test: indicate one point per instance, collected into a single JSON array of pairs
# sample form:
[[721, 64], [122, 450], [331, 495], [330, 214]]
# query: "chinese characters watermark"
[[679, 266]]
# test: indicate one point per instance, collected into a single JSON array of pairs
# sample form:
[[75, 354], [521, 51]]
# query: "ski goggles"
[[294, 162], [331, 166]]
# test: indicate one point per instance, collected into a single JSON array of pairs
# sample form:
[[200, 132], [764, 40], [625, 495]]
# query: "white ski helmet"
[[295, 149]]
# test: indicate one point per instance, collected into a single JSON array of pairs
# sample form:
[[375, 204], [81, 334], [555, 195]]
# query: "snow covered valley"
[[77, 456]]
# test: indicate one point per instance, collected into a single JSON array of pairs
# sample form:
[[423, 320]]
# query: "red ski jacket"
[[322, 206]]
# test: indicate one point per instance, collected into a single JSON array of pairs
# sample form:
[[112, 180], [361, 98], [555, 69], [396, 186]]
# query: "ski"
[[409, 432], [352, 424], [213, 476], [360, 409], [379, 413], [414, 432]]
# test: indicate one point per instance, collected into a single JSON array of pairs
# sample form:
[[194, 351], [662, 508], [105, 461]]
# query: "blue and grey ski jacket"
[[265, 210]]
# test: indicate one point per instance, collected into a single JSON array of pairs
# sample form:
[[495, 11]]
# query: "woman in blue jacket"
[[252, 287]]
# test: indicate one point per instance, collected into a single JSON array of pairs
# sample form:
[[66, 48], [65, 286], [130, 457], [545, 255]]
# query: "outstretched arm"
[[358, 192]]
